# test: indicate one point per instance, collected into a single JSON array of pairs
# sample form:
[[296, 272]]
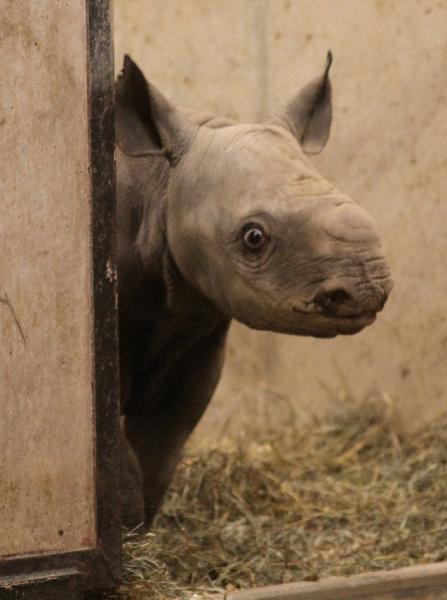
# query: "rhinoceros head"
[[249, 221]]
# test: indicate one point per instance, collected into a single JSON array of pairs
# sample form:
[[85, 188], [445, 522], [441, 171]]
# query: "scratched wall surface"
[[387, 150], [46, 435]]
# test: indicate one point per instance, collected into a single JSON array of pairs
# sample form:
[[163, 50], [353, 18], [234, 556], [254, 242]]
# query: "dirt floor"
[[350, 494]]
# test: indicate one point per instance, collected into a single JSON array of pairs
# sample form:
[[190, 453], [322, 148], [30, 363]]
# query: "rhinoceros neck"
[[162, 317], [182, 298], [150, 284]]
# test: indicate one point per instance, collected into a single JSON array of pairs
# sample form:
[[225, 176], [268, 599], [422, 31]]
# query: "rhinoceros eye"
[[254, 238]]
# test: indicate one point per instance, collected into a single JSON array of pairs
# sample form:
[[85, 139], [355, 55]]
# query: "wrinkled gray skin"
[[192, 189]]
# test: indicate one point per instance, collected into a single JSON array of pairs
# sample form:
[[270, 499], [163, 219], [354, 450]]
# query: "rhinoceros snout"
[[343, 299]]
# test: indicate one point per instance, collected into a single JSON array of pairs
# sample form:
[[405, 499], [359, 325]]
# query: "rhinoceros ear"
[[145, 122], [308, 115]]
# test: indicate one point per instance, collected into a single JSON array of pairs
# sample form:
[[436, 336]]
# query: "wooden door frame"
[[65, 575]]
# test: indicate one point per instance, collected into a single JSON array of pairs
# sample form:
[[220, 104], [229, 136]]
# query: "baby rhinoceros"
[[221, 221]]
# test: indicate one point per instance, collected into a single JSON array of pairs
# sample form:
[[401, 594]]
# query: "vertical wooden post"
[[59, 521]]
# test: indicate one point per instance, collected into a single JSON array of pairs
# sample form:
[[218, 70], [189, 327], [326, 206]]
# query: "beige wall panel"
[[46, 435], [387, 150], [201, 53]]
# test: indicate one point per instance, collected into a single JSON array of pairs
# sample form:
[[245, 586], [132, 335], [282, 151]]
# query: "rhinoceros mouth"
[[363, 318], [348, 325], [359, 315], [355, 324], [316, 324]]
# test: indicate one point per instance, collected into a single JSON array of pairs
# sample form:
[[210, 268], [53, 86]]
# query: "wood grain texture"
[[424, 582], [46, 427]]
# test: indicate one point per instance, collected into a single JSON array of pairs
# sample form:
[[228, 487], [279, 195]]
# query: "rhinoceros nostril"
[[331, 300], [338, 296]]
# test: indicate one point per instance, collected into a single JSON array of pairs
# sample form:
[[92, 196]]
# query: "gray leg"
[[130, 487], [157, 436]]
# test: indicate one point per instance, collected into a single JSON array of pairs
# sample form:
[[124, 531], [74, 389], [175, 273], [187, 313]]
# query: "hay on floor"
[[342, 497]]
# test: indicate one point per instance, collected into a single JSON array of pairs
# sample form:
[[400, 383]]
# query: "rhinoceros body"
[[216, 221]]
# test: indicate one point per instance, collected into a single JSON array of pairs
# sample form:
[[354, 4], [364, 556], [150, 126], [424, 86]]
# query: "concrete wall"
[[387, 150], [47, 500]]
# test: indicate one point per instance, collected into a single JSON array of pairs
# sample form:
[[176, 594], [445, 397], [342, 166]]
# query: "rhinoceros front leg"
[[130, 486], [158, 435]]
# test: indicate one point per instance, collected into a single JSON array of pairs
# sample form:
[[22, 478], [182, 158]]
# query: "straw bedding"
[[346, 495]]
